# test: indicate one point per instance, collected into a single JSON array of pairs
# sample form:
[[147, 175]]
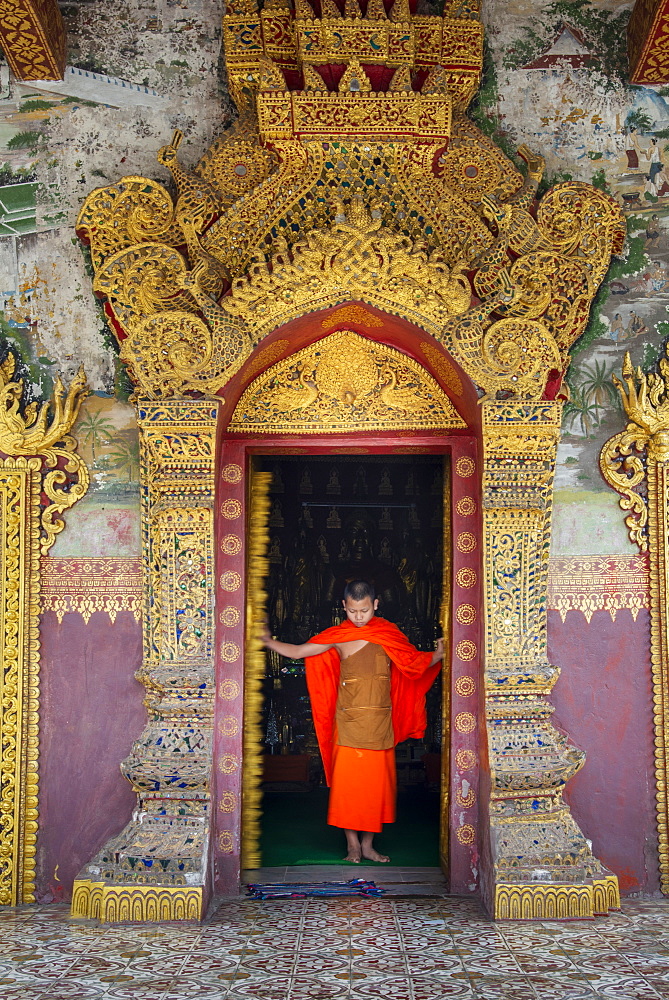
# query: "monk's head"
[[359, 602]]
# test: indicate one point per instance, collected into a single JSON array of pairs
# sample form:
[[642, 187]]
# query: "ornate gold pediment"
[[344, 383]]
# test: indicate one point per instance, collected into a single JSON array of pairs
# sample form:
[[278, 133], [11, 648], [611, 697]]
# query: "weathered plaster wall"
[[601, 700], [62, 141], [91, 710]]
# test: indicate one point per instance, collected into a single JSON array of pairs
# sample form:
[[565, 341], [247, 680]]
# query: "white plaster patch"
[[70, 328]]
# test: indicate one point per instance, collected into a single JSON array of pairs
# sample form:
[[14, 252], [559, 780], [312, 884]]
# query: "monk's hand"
[[439, 648]]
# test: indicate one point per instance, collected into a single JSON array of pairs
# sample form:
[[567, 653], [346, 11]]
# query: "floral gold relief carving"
[[465, 467], [466, 759], [530, 760], [157, 866], [230, 617], [229, 690], [344, 382], [466, 577], [465, 686]]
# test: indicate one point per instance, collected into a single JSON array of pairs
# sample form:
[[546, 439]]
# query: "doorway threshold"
[[397, 881]]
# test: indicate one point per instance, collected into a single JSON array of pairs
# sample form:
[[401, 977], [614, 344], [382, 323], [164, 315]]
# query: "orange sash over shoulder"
[[410, 679]]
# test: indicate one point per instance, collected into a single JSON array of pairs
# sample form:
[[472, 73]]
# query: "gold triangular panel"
[[344, 383]]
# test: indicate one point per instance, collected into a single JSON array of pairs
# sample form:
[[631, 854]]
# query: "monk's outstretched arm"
[[438, 652], [292, 650]]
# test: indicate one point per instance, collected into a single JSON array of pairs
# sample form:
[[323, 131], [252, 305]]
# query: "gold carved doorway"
[[388, 205], [315, 521], [335, 416]]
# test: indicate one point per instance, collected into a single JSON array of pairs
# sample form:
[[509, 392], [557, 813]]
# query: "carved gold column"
[[40, 476], [157, 867], [542, 865], [635, 462]]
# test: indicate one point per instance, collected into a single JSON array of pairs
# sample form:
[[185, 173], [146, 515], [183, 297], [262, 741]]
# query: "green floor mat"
[[295, 830]]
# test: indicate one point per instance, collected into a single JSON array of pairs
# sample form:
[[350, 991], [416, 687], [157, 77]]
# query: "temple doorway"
[[334, 518]]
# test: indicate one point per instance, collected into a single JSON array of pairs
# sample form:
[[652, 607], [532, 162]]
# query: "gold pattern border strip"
[[576, 583], [598, 583], [85, 585]]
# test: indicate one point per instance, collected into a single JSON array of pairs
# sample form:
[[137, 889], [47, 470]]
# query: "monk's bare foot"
[[353, 847], [372, 855], [368, 850]]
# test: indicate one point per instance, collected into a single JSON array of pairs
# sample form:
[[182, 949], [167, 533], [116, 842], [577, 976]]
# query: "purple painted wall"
[[91, 711], [603, 700]]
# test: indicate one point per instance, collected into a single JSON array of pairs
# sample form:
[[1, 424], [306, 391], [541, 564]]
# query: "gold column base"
[[113, 904], [556, 901]]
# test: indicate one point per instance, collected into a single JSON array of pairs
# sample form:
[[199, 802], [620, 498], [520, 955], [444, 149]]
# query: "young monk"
[[367, 685]]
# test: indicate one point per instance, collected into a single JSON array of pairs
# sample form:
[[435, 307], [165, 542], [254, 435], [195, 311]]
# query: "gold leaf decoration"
[[342, 383]]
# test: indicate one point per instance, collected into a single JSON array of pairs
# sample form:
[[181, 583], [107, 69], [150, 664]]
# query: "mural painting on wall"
[[558, 82], [555, 79], [131, 79]]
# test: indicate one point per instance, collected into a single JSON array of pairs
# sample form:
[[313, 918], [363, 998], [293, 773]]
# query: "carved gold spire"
[[635, 462], [41, 476]]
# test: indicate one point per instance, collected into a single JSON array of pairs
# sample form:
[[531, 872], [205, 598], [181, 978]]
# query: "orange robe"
[[362, 782]]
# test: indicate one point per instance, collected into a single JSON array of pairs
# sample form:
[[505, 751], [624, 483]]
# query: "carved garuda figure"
[[351, 173]]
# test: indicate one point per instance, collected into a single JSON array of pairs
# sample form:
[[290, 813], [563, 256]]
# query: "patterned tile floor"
[[361, 949]]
